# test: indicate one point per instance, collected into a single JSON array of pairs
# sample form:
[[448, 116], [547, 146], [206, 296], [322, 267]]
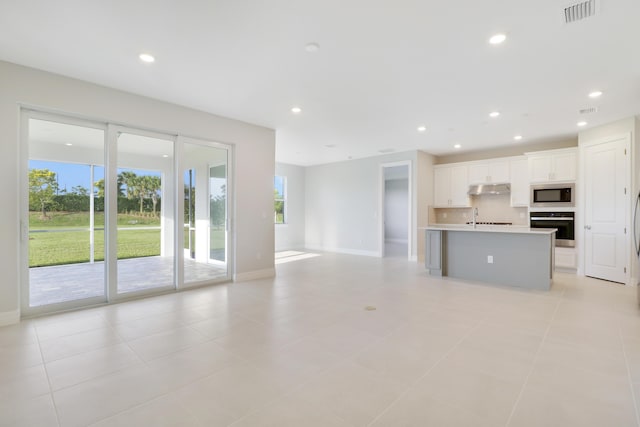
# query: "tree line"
[[135, 193]]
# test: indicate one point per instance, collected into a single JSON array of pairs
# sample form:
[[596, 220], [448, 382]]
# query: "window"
[[280, 199]]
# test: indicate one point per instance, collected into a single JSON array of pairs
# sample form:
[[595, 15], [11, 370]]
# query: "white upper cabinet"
[[451, 185], [554, 165], [489, 172], [459, 186], [519, 182], [442, 186]]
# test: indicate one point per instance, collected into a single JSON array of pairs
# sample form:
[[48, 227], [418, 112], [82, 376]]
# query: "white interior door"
[[606, 207]]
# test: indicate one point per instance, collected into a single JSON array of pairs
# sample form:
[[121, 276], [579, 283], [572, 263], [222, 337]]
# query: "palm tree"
[[127, 179]]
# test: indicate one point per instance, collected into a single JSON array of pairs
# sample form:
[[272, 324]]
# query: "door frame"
[[381, 206], [581, 205]]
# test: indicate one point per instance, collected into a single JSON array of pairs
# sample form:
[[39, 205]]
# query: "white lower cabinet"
[[566, 257]]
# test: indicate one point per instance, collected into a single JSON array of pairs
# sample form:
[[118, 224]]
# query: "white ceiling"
[[383, 68]]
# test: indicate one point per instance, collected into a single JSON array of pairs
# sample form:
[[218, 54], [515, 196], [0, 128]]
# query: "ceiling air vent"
[[588, 110], [579, 11]]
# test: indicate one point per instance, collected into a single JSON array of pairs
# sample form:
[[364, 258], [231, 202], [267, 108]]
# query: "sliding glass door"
[[65, 215], [206, 211], [145, 218], [101, 210]]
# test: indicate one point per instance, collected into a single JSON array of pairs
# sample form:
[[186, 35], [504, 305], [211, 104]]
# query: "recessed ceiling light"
[[145, 57], [497, 38], [517, 137], [296, 110], [165, 155], [68, 144], [595, 94], [330, 145], [494, 114], [457, 146], [581, 124], [422, 128], [312, 47]]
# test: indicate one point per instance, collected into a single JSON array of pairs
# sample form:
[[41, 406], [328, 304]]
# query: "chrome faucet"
[[474, 214]]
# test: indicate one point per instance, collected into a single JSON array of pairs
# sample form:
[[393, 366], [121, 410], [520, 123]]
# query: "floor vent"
[[579, 11], [588, 110]]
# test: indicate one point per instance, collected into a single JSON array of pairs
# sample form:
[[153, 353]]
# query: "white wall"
[[343, 203], [254, 161], [396, 215], [600, 133], [291, 235]]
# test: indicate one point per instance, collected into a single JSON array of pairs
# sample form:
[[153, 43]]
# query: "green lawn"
[[81, 220], [69, 247]]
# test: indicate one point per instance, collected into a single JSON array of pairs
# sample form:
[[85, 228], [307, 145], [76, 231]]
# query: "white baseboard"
[[9, 317], [253, 275], [403, 241], [346, 251]]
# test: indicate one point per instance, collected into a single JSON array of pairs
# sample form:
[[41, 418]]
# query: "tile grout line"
[[146, 364], [535, 360], [320, 372], [626, 362], [444, 356], [46, 372]]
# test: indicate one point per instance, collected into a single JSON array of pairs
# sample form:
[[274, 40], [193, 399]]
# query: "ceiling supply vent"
[[588, 110], [579, 11]]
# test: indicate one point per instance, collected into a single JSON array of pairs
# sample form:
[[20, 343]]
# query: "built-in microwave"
[[553, 195]]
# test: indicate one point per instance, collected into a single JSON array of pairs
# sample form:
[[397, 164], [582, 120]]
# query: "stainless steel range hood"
[[481, 189]]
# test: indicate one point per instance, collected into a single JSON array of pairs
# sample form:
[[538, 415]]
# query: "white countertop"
[[520, 229]]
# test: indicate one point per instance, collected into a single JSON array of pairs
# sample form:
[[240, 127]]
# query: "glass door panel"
[[206, 213], [218, 213], [145, 232], [66, 213]]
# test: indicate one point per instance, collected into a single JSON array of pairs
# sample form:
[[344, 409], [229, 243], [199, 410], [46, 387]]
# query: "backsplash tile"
[[491, 207]]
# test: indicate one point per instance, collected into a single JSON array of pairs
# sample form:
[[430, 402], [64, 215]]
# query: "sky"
[[279, 184]]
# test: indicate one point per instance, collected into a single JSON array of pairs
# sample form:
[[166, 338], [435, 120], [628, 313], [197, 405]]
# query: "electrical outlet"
[[444, 215], [464, 214], [521, 214], [490, 259]]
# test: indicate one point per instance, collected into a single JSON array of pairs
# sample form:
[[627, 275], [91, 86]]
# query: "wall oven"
[[563, 221], [553, 195]]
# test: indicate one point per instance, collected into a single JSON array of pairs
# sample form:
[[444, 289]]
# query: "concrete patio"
[[62, 283]]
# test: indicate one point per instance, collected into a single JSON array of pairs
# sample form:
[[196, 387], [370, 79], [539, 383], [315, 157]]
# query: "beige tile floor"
[[300, 350]]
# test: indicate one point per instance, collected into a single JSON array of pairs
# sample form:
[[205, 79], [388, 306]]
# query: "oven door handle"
[[545, 218]]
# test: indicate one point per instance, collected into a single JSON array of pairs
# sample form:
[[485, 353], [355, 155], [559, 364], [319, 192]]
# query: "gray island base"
[[509, 256]]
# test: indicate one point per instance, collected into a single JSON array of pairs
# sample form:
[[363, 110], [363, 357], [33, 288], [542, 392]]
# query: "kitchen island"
[[504, 255]]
